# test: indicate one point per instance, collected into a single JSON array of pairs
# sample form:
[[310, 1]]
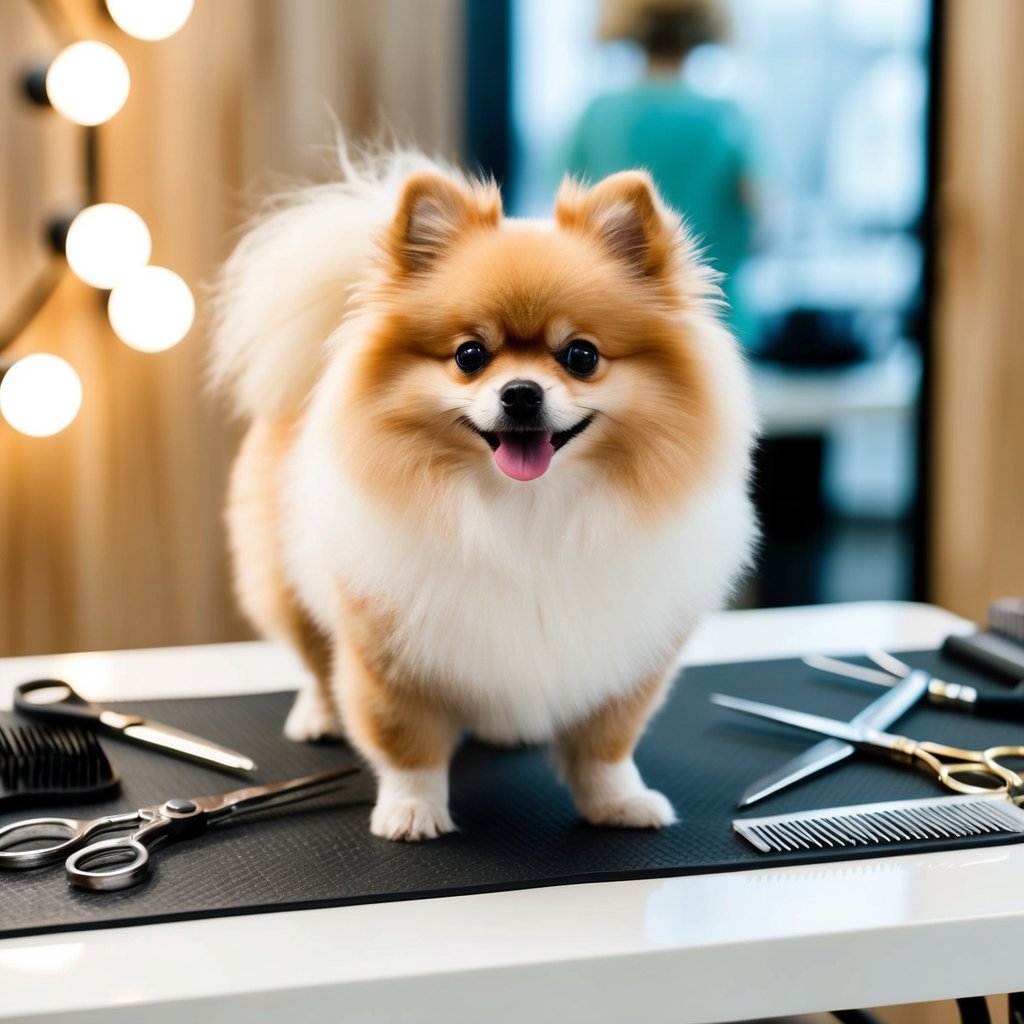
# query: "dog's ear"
[[626, 215], [433, 213]]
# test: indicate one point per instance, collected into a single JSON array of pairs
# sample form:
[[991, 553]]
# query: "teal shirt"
[[698, 151]]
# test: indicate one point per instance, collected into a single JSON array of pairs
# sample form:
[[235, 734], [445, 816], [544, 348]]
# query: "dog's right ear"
[[433, 212]]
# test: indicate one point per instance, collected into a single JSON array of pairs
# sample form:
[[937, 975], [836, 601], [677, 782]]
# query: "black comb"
[[52, 765]]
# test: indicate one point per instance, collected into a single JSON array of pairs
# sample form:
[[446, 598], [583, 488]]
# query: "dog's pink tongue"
[[524, 456]]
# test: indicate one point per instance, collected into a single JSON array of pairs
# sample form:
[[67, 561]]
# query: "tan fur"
[[612, 731], [430, 206], [623, 211], [512, 289], [402, 725], [253, 518], [613, 268]]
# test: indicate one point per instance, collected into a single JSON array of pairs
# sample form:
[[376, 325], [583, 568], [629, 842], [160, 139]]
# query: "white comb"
[[899, 821]]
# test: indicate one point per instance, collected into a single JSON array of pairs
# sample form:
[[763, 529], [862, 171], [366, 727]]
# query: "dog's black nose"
[[522, 399]]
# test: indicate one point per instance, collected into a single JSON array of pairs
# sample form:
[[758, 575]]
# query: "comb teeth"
[[901, 821], [50, 764]]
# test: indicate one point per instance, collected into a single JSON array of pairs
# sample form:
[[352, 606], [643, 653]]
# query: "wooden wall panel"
[[37, 177], [978, 424], [110, 533]]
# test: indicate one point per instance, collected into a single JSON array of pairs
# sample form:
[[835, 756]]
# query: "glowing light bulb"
[[88, 82], [106, 243], [40, 395], [152, 309], [150, 19]]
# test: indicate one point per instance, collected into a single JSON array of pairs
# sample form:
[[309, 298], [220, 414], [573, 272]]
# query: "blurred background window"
[[829, 109]]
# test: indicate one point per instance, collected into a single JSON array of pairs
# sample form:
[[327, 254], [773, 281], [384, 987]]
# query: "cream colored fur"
[[526, 607]]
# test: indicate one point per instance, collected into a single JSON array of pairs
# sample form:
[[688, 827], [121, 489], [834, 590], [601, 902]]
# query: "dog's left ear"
[[625, 213], [433, 212]]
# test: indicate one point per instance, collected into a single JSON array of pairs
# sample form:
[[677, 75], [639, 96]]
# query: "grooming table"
[[696, 929]]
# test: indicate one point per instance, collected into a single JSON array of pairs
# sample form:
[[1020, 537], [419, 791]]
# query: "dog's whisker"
[[606, 415]]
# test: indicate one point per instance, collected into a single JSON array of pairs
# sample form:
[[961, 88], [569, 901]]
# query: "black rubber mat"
[[518, 826]]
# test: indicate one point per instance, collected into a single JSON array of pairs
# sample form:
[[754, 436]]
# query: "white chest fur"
[[536, 608]]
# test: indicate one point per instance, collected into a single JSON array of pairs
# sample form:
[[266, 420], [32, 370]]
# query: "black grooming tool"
[[990, 651], [999, 649], [52, 765], [1006, 616]]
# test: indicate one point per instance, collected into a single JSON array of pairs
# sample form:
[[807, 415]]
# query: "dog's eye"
[[580, 358], [471, 357]]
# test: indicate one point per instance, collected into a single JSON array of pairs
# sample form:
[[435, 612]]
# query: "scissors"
[[900, 696], [948, 763], [957, 696], [56, 700], [122, 862]]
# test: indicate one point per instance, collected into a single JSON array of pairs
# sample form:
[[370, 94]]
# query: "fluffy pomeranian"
[[495, 472]]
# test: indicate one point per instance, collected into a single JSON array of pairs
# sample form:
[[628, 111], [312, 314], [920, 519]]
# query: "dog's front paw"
[[648, 809], [412, 804], [410, 820], [613, 793], [311, 718]]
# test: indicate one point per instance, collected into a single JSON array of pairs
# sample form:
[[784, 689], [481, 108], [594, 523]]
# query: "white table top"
[[700, 948]]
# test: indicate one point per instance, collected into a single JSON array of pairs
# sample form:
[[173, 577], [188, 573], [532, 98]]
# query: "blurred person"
[[698, 148]]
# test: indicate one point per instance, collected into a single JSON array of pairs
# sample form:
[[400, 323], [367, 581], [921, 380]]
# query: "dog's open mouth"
[[527, 454]]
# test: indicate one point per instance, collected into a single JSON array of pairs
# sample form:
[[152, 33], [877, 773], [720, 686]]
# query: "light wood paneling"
[[38, 177], [110, 533], [978, 423]]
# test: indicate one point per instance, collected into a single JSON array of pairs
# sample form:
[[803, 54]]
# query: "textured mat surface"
[[518, 827]]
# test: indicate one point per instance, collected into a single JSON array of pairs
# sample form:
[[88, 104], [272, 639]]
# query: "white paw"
[[410, 820], [647, 809], [613, 793], [311, 718]]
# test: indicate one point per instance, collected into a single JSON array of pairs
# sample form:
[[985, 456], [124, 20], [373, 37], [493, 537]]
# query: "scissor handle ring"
[[1001, 778], [127, 860], [970, 762], [992, 757], [68, 832]]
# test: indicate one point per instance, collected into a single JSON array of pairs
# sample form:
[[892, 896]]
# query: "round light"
[[150, 19], [40, 395], [152, 309], [88, 82], [106, 243]]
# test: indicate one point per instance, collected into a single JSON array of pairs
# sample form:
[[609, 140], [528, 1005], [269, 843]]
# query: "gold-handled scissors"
[[122, 862], [950, 764]]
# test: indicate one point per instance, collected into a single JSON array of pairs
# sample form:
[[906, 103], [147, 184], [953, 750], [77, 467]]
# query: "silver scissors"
[[948, 763], [957, 696], [55, 700], [119, 863]]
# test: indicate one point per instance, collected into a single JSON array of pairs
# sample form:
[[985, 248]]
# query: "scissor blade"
[[894, 704], [878, 715], [844, 668], [798, 719], [816, 759], [195, 748], [241, 801]]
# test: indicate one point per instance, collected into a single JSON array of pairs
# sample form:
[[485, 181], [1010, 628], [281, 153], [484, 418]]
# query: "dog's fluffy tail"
[[286, 287]]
